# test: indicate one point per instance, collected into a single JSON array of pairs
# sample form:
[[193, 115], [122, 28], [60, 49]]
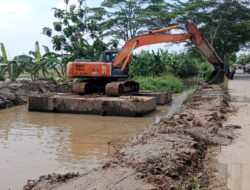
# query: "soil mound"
[[16, 93]]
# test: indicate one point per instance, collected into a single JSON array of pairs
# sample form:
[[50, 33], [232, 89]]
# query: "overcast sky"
[[21, 23]]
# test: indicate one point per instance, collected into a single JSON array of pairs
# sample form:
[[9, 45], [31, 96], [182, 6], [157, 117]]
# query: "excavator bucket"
[[216, 77]]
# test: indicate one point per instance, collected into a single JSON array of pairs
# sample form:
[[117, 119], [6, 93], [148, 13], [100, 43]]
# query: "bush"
[[161, 83], [147, 64], [2, 73], [183, 65], [161, 62], [2, 76]]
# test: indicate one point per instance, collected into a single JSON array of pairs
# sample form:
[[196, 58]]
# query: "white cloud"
[[15, 8]]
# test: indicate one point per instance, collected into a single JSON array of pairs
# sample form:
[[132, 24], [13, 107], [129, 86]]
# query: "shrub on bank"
[[2, 72], [162, 62], [2, 76], [161, 83]]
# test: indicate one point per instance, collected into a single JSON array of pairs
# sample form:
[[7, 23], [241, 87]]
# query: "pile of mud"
[[44, 181], [168, 156], [16, 93]]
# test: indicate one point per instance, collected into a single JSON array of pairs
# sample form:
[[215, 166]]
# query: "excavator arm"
[[159, 36], [201, 43]]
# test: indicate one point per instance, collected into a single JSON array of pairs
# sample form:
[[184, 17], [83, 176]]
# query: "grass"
[[161, 83], [193, 184], [190, 95], [196, 184], [225, 84]]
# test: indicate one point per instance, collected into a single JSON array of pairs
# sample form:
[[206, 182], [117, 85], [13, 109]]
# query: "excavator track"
[[119, 88], [79, 87], [116, 88], [89, 87]]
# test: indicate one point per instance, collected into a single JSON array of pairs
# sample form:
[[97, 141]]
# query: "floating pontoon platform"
[[132, 106]]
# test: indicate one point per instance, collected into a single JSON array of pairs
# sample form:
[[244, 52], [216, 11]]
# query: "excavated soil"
[[173, 154], [16, 93], [45, 181]]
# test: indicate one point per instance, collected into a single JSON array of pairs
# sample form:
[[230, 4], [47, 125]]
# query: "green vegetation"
[[244, 59], [193, 184], [161, 83], [190, 95], [226, 24], [11, 67], [161, 62], [2, 74], [131, 17], [71, 29], [163, 71], [196, 184], [225, 85]]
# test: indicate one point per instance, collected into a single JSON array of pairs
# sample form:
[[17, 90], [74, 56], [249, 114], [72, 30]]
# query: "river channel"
[[34, 144]]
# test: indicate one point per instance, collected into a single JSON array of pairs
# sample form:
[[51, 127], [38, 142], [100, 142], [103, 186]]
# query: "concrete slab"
[[100, 105], [162, 98]]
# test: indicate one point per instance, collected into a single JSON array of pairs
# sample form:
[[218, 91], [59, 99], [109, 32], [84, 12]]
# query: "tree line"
[[79, 31]]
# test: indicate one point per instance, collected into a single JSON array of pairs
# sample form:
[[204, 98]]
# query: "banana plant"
[[4, 60], [34, 63], [38, 61], [27, 65], [53, 61], [2, 71], [12, 68]]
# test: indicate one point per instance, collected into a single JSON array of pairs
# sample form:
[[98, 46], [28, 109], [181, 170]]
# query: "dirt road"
[[236, 156]]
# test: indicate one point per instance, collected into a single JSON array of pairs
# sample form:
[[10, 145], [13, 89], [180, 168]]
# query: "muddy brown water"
[[33, 144]]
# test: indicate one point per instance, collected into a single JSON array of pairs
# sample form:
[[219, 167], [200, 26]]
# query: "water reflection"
[[33, 144]]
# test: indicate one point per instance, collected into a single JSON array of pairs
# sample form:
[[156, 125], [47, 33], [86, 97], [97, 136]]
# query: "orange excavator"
[[108, 74]]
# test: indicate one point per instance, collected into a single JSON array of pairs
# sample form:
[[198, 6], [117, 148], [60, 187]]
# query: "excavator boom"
[[146, 39]]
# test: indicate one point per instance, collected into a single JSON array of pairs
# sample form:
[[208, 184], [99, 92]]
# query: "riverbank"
[[16, 93], [169, 155]]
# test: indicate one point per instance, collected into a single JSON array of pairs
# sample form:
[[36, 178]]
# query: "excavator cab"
[[107, 57]]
